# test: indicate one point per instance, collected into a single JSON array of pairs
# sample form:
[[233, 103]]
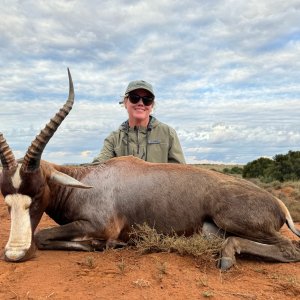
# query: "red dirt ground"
[[126, 274]]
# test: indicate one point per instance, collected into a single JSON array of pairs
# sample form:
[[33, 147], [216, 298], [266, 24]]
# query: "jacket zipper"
[[138, 142]]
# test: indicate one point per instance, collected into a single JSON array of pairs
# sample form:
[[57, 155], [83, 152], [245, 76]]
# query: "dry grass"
[[218, 168], [88, 262], [148, 240], [161, 270], [141, 283], [121, 266]]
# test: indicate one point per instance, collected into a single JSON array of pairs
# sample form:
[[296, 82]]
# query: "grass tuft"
[[121, 266], [148, 240]]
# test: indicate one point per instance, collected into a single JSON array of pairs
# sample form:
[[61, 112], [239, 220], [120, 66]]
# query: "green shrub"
[[258, 168], [283, 167], [234, 170]]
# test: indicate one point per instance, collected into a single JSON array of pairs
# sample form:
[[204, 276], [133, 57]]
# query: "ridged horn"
[[34, 153], [6, 155]]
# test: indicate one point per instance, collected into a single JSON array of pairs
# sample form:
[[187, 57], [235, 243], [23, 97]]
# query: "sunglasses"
[[134, 99]]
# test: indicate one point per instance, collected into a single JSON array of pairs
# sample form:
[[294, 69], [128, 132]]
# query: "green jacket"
[[156, 143]]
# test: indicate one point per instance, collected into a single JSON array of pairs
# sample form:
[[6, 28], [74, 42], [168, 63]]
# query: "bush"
[[258, 168], [283, 167], [234, 170]]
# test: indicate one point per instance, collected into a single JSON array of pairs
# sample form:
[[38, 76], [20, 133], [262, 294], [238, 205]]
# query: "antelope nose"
[[14, 255]]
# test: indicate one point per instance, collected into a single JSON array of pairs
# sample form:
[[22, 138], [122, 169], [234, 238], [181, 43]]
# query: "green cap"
[[139, 84]]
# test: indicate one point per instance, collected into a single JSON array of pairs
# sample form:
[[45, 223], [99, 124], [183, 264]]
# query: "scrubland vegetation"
[[283, 167]]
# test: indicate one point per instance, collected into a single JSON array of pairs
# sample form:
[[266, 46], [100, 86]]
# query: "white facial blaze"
[[20, 231], [16, 178]]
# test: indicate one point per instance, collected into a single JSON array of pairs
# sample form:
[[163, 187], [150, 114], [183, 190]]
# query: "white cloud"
[[86, 153]]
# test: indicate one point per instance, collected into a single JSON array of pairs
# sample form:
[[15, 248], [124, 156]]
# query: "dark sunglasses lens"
[[134, 99], [147, 101]]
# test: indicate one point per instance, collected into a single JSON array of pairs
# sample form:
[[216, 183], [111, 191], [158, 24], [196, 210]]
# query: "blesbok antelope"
[[128, 191]]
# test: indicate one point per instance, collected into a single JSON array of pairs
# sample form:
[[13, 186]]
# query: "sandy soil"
[[126, 274]]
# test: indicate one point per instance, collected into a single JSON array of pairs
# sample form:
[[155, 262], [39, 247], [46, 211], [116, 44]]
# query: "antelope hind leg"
[[211, 230], [283, 251]]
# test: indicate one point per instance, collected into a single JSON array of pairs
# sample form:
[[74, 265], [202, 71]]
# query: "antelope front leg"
[[72, 236]]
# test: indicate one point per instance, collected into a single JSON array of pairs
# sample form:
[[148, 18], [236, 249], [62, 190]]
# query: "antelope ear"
[[66, 180]]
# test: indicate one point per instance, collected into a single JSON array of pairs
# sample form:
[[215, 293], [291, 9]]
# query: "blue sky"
[[226, 73]]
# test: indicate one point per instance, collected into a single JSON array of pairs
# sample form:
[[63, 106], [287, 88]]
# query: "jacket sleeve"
[[107, 151], [175, 151]]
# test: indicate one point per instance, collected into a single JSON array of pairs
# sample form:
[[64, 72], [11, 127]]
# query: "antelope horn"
[[6, 155], [33, 156]]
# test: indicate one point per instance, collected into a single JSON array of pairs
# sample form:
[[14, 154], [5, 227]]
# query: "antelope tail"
[[288, 219]]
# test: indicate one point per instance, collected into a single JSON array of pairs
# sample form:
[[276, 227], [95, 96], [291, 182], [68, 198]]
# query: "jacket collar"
[[152, 124]]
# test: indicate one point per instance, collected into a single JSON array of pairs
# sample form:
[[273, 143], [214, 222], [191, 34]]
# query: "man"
[[142, 135]]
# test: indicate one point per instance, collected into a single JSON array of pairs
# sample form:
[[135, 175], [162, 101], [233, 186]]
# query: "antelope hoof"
[[225, 263]]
